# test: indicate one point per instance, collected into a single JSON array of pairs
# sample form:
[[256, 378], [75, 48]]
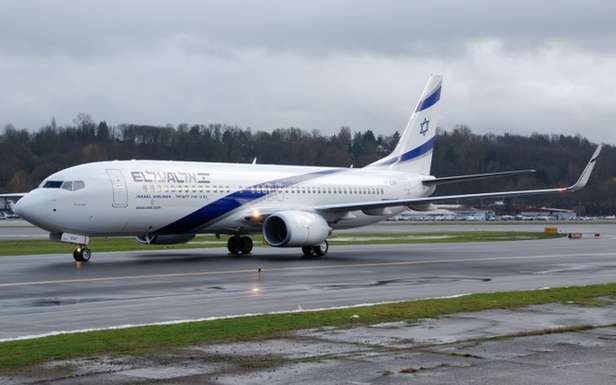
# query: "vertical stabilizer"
[[413, 153]]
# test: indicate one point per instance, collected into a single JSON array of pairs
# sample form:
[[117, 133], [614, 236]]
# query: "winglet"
[[583, 179]]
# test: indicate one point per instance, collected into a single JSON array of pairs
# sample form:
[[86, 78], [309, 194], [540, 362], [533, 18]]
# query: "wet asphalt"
[[46, 293]]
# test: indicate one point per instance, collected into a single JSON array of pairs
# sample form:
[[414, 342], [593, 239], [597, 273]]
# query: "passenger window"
[[67, 186]]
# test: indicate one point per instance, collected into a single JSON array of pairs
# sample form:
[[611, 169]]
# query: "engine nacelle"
[[171, 239], [295, 228]]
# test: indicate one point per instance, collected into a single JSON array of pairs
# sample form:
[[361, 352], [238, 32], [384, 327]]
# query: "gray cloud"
[[529, 66]]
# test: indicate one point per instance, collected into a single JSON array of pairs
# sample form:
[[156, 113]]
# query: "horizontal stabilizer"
[[470, 177]]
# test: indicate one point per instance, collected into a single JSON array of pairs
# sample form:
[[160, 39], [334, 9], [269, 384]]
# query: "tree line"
[[30, 156]]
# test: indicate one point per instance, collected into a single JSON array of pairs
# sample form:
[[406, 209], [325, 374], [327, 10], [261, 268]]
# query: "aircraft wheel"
[[309, 251], [86, 254], [321, 250], [316, 251], [82, 254], [77, 255], [233, 244], [245, 245]]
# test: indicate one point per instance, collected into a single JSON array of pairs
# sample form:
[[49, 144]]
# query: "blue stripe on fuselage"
[[230, 202]]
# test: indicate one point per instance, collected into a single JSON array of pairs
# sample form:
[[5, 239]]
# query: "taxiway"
[[46, 293]]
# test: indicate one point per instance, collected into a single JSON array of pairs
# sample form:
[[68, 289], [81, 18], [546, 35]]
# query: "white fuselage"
[[168, 197]]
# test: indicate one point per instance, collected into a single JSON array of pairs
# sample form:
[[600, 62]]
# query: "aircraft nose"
[[37, 208], [22, 208], [31, 207]]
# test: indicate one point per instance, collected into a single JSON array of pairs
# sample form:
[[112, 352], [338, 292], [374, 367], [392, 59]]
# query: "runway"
[[18, 229], [46, 293]]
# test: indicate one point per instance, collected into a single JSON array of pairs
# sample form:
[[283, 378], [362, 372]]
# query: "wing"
[[470, 177], [580, 184]]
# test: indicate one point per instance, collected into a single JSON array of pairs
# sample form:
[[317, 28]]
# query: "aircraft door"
[[118, 184]]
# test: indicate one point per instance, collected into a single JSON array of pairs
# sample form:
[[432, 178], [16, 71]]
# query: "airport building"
[[548, 213], [5, 205], [446, 215]]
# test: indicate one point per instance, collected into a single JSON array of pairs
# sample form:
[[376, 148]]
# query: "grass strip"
[[439, 237], [149, 339], [27, 247]]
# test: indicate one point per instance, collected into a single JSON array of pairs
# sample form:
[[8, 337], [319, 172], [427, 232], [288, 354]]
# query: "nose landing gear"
[[239, 245], [82, 254]]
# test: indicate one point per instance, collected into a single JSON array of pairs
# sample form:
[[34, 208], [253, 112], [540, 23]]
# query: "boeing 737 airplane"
[[166, 202]]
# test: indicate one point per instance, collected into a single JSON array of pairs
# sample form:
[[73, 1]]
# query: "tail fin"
[[413, 153]]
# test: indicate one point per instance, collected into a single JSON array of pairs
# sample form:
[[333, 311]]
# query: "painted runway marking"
[[299, 268]]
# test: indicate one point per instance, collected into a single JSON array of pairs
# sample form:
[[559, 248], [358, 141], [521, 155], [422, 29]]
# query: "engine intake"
[[295, 228], [171, 239]]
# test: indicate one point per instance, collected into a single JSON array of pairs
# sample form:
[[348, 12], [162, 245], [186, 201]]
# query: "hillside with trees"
[[28, 157]]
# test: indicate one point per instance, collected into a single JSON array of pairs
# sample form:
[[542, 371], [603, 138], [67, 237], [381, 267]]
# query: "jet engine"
[[170, 239], [295, 228]]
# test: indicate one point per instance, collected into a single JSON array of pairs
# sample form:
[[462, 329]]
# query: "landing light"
[[255, 290]]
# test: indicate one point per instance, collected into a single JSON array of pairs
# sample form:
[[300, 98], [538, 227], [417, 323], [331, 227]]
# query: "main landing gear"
[[82, 254], [239, 245], [316, 251]]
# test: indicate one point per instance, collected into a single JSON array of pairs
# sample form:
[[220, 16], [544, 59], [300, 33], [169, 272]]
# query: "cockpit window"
[[68, 185], [52, 184]]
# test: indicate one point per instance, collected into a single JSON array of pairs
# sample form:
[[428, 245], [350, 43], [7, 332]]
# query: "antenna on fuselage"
[[254, 161]]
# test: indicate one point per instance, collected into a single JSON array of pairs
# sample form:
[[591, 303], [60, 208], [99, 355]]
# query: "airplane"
[[169, 202]]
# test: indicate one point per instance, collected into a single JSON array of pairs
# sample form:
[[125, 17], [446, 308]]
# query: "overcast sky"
[[518, 67]]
